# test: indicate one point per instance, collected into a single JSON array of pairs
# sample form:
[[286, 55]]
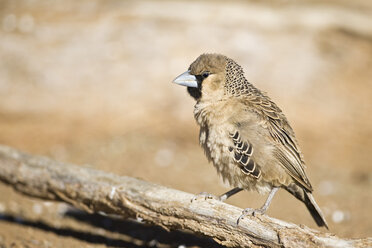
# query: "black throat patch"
[[194, 92]]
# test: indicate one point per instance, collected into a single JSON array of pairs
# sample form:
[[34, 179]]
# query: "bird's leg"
[[229, 193], [262, 209], [222, 197], [266, 205]]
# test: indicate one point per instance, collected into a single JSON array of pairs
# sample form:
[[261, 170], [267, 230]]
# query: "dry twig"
[[94, 191]]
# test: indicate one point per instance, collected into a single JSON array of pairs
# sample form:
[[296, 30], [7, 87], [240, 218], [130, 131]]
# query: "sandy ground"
[[89, 82]]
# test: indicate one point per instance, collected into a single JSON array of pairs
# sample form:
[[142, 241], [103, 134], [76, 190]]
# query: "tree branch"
[[97, 191]]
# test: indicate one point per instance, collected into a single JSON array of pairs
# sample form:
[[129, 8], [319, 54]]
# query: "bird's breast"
[[216, 141], [214, 136], [215, 129]]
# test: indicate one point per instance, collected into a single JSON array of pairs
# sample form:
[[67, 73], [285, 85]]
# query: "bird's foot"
[[250, 211], [206, 196]]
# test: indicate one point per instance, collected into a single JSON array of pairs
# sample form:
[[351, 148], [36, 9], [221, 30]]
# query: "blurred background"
[[90, 82]]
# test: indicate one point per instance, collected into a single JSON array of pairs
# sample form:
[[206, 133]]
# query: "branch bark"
[[97, 191]]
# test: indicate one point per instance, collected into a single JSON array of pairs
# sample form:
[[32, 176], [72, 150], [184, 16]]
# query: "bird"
[[245, 135]]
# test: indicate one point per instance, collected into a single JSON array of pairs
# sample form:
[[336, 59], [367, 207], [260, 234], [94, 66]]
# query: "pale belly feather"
[[215, 140]]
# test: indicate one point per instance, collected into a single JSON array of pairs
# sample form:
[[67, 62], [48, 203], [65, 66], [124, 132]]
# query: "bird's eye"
[[205, 74]]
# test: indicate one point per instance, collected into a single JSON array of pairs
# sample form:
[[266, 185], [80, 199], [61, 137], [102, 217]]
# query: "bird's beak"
[[186, 79]]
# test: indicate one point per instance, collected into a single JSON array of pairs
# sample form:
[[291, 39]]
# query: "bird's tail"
[[308, 199]]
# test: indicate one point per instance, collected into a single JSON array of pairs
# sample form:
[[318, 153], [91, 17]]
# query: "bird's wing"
[[242, 153], [287, 152]]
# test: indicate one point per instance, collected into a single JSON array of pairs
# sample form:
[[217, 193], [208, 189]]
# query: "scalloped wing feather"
[[242, 154], [287, 153]]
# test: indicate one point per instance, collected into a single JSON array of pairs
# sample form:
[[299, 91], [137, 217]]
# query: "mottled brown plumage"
[[245, 134]]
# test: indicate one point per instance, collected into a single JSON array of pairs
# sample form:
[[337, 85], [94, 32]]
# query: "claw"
[[261, 210], [250, 211], [205, 195]]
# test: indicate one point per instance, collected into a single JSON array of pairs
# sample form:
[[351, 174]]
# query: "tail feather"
[[315, 211], [307, 198]]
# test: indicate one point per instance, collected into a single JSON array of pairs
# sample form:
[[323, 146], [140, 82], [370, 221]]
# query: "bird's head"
[[211, 76]]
